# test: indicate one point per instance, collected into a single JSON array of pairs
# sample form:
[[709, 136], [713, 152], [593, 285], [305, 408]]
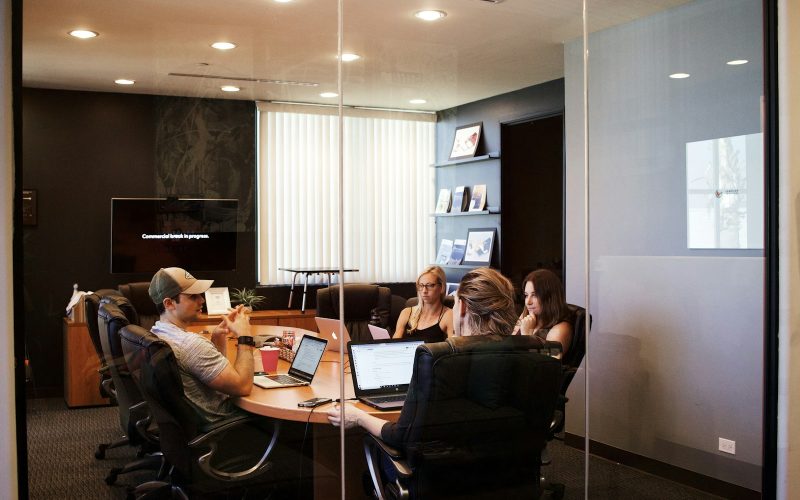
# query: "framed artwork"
[[480, 243], [465, 142], [451, 288]]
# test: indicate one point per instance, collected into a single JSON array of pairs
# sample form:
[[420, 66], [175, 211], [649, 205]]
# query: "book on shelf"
[[445, 248], [478, 201], [461, 199], [459, 248], [444, 202]]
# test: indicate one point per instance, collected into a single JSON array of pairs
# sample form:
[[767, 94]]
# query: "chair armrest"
[[373, 449], [107, 386], [212, 438], [140, 414]]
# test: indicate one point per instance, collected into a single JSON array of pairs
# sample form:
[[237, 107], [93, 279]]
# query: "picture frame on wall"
[[451, 288], [480, 244], [465, 141]]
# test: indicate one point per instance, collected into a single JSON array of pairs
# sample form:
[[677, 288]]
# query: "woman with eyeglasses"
[[546, 314], [429, 320]]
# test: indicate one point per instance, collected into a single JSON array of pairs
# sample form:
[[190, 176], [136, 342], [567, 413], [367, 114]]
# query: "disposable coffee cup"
[[269, 359]]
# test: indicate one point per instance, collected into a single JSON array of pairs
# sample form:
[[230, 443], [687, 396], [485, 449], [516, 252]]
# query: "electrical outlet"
[[727, 446]]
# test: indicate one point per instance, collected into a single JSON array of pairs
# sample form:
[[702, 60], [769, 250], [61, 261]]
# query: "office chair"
[[570, 363], [138, 295], [363, 303], [134, 417], [91, 303], [203, 458], [474, 423]]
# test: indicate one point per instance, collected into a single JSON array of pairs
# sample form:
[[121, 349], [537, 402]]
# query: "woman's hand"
[[527, 325], [351, 416]]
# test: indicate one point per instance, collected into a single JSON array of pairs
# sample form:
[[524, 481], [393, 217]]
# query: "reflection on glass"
[[724, 185]]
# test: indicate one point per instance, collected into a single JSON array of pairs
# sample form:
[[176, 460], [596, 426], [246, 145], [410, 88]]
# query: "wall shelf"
[[457, 266], [489, 156], [462, 214]]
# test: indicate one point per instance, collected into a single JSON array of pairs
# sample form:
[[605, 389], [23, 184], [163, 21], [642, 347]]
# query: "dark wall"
[[80, 149], [537, 101]]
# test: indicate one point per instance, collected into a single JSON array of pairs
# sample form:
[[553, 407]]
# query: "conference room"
[[621, 148]]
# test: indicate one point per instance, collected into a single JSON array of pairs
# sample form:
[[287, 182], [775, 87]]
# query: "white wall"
[[676, 345], [789, 260], [8, 448]]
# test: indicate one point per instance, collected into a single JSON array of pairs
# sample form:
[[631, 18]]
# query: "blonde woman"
[[430, 320]]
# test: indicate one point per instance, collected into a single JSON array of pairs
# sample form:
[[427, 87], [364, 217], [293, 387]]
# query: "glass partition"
[[676, 262]]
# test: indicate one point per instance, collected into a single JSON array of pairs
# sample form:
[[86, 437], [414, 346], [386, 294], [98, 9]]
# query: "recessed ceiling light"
[[283, 1], [230, 88], [430, 15], [346, 57], [679, 76], [223, 45], [417, 101], [124, 81], [84, 33], [329, 94], [737, 62]]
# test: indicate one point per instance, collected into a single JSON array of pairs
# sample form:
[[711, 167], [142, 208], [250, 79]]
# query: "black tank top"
[[433, 333]]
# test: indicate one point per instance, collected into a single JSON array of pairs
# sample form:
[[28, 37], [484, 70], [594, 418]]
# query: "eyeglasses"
[[426, 286]]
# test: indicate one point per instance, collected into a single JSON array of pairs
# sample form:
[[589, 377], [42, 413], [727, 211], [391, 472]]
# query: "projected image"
[[724, 192]]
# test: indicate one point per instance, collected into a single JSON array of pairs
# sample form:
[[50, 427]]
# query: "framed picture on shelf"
[[451, 288], [465, 142], [480, 243]]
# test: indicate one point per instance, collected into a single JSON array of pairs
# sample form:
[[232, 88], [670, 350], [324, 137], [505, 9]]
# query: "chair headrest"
[[118, 305], [360, 300], [448, 301]]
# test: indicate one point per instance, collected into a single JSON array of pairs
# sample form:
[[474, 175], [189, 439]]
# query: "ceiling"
[[479, 50]]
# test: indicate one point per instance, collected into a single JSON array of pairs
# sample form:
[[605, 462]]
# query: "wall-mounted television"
[[151, 233]]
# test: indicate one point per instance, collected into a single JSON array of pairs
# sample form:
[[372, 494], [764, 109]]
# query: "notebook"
[[301, 372], [382, 370], [329, 330], [378, 333]]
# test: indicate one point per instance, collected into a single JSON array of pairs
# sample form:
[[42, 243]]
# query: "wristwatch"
[[245, 340]]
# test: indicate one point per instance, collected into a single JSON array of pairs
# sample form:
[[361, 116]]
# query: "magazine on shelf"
[[443, 204], [459, 248], [445, 248], [461, 199], [478, 198]]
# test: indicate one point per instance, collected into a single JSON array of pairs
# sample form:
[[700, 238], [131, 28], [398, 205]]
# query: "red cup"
[[269, 359]]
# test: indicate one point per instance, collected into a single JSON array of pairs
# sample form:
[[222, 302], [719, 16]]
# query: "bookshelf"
[[488, 156]]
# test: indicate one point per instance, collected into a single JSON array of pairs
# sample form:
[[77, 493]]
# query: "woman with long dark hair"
[[546, 314]]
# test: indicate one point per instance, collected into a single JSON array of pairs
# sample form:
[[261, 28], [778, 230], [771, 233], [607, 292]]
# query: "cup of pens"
[[288, 339]]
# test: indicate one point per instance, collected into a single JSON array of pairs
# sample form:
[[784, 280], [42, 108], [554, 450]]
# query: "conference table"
[[281, 403]]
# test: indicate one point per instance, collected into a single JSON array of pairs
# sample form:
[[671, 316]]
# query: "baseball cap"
[[172, 281]]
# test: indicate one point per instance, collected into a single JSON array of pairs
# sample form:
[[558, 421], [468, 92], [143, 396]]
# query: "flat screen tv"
[[151, 233]]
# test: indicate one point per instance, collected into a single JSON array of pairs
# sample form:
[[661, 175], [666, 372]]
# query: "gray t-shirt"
[[200, 362]]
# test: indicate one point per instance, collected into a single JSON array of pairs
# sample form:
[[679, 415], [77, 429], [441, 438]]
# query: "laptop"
[[301, 372], [382, 370], [329, 330], [379, 333]]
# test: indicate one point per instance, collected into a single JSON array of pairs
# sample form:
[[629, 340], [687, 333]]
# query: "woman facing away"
[[546, 314], [430, 320], [484, 305]]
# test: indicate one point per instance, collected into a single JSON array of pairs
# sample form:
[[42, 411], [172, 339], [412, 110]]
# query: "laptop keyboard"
[[388, 399], [284, 379]]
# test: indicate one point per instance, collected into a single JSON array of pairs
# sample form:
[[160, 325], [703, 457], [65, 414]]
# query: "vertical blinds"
[[388, 192]]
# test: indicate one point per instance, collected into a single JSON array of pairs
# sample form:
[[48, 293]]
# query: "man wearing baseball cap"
[[209, 379]]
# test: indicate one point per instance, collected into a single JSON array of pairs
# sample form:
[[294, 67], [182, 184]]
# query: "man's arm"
[[235, 379]]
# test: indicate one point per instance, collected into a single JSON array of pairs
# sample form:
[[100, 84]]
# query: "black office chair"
[[570, 363], [475, 420], [138, 295], [227, 455], [363, 304], [134, 416], [91, 303]]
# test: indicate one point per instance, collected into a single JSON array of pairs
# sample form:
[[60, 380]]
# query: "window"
[[388, 192]]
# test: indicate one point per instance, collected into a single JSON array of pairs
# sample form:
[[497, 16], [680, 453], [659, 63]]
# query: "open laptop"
[[329, 330], [301, 372], [379, 333], [382, 370]]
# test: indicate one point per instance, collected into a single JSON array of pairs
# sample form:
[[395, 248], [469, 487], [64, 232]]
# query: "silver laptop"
[[329, 329], [379, 333], [382, 370], [305, 364]]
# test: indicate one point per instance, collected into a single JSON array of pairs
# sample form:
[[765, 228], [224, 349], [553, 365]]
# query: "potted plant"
[[247, 296]]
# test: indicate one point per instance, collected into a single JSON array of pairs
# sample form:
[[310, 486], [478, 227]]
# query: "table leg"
[[291, 290], [305, 289]]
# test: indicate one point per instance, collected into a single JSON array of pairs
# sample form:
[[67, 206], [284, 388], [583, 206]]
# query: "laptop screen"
[[307, 358], [380, 365]]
